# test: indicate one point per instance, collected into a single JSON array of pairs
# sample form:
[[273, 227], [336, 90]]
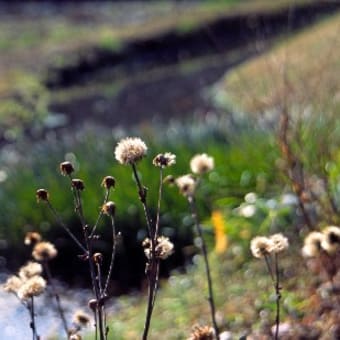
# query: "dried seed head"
[[169, 180], [78, 184], [98, 258], [164, 160], [109, 208], [81, 318], [280, 243], [42, 195], [32, 287], [93, 304], [186, 185], [66, 168], [130, 150], [164, 248], [13, 284], [331, 241], [29, 270], [44, 251], [108, 182], [261, 246], [312, 244], [202, 333], [32, 237], [75, 336], [201, 164]]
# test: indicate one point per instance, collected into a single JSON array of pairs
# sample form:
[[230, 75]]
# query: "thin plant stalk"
[[153, 265], [32, 315], [113, 254], [206, 263], [64, 226], [275, 277], [278, 296], [96, 289], [57, 297], [106, 198], [142, 191]]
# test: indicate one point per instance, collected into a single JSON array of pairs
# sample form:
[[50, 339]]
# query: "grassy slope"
[[303, 70]]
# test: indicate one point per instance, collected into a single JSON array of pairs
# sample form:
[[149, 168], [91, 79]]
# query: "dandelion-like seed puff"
[[130, 150], [261, 246], [13, 284], [202, 163], [312, 244], [81, 318], [164, 248], [44, 251], [29, 270], [32, 287], [186, 185], [280, 243], [331, 240], [164, 160], [202, 332]]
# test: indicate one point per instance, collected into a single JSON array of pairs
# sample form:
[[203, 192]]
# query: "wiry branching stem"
[[113, 253], [89, 253], [278, 296], [56, 296], [152, 269], [64, 226], [206, 262]]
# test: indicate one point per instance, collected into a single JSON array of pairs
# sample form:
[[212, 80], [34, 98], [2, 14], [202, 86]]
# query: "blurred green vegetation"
[[245, 161]]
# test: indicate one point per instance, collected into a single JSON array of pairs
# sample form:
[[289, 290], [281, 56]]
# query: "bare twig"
[[206, 262]]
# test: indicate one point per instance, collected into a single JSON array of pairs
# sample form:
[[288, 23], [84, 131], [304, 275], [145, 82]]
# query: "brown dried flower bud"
[[109, 208], [81, 318], [78, 184], [98, 258], [108, 182], [32, 237], [93, 304], [169, 180], [202, 332], [42, 195], [66, 168]]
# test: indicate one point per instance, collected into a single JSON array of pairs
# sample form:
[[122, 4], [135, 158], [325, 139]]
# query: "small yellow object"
[[221, 239]]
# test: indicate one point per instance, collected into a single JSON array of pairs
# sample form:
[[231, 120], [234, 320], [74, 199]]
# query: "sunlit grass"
[[302, 70]]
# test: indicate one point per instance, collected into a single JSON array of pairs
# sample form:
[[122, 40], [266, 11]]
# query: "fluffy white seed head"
[[130, 150], [201, 164]]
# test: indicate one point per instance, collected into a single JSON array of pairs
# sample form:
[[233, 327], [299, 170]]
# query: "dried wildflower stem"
[[269, 267], [89, 252], [153, 265], [206, 262], [106, 198], [62, 224], [30, 307], [56, 295], [278, 295], [160, 191], [113, 254], [142, 191]]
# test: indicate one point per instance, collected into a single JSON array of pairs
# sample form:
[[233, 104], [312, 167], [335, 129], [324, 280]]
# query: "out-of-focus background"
[[187, 77]]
